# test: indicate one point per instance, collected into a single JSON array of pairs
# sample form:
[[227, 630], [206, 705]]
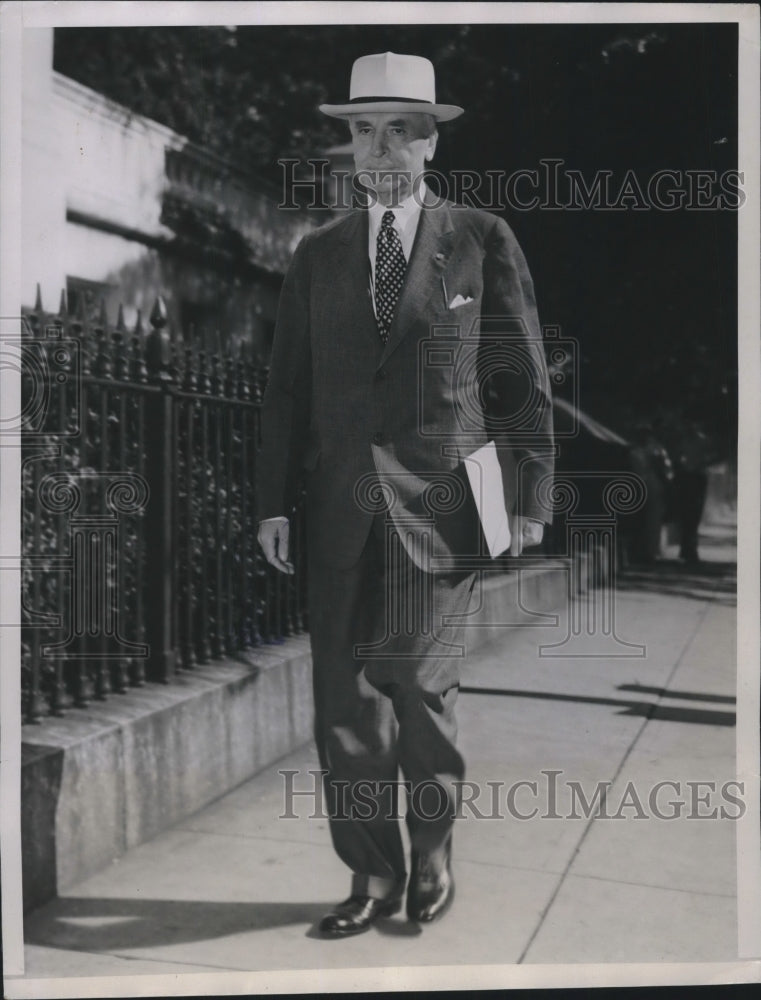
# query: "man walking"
[[382, 384]]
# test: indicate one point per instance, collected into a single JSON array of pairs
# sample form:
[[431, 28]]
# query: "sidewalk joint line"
[[651, 885], [244, 836], [545, 911]]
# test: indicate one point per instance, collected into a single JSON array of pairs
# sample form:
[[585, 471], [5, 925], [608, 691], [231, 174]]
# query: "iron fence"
[[139, 552]]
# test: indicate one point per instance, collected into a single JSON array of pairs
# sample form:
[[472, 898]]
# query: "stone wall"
[[105, 778], [118, 206]]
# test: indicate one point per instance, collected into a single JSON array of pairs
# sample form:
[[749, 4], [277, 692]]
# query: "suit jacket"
[[348, 412]]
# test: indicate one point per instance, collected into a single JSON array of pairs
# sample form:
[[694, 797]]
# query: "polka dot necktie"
[[390, 265]]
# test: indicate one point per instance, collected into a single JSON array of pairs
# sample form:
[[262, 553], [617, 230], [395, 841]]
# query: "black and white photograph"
[[379, 488]]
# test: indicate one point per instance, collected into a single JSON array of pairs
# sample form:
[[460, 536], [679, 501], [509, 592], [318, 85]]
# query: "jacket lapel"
[[431, 251], [350, 296]]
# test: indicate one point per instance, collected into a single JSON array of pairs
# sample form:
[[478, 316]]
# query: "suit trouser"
[[690, 490], [386, 678]]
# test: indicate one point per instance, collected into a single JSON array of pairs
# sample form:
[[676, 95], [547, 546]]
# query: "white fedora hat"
[[391, 82]]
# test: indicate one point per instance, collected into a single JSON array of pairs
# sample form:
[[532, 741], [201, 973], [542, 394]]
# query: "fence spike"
[[190, 363], [103, 314], [242, 388], [139, 367], [217, 341], [103, 360], [119, 350], [38, 299], [63, 307], [120, 319], [139, 329], [204, 380], [158, 315]]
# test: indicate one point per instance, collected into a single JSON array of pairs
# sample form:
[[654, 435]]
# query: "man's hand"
[[525, 531], [273, 538]]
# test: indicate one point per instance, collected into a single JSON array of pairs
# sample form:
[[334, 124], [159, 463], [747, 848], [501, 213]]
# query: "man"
[[361, 401], [692, 455]]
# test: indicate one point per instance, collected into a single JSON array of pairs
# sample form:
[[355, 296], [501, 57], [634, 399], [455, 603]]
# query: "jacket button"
[[382, 374], [377, 438]]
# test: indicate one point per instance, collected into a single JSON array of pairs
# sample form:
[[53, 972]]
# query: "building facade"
[[119, 208]]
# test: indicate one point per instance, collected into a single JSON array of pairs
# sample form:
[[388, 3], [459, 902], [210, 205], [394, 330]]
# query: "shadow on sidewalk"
[[704, 581], [644, 709], [98, 924], [93, 924], [722, 699]]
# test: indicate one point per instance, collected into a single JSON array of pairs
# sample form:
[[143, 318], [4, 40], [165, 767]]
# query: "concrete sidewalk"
[[236, 888]]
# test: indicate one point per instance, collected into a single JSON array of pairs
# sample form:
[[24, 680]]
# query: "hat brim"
[[441, 112]]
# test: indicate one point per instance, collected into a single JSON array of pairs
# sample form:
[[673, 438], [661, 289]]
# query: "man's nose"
[[379, 144]]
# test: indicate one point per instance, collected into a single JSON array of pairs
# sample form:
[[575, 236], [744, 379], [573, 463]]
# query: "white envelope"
[[485, 477], [458, 300]]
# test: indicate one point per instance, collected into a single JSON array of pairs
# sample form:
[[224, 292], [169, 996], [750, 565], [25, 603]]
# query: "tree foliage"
[[649, 295]]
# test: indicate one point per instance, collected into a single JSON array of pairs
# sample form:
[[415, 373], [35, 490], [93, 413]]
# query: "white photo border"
[[18, 17]]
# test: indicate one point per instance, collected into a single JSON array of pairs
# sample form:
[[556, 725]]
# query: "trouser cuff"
[[375, 886]]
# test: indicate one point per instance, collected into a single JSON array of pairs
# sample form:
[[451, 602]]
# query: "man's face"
[[390, 152]]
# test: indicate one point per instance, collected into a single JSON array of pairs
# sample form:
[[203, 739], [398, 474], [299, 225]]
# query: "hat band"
[[386, 99]]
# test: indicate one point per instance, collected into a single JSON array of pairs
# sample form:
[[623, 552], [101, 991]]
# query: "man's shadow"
[[98, 924]]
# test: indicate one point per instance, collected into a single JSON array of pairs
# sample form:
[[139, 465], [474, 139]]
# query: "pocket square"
[[458, 301]]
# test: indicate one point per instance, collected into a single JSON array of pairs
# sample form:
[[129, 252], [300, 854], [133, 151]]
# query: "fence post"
[[159, 468]]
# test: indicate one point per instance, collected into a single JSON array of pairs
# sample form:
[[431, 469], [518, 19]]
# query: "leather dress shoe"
[[357, 914], [431, 888]]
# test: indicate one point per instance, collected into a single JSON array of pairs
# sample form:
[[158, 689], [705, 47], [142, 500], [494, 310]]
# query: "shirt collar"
[[405, 212]]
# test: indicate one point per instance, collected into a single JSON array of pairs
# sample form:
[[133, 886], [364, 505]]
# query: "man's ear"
[[432, 140]]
